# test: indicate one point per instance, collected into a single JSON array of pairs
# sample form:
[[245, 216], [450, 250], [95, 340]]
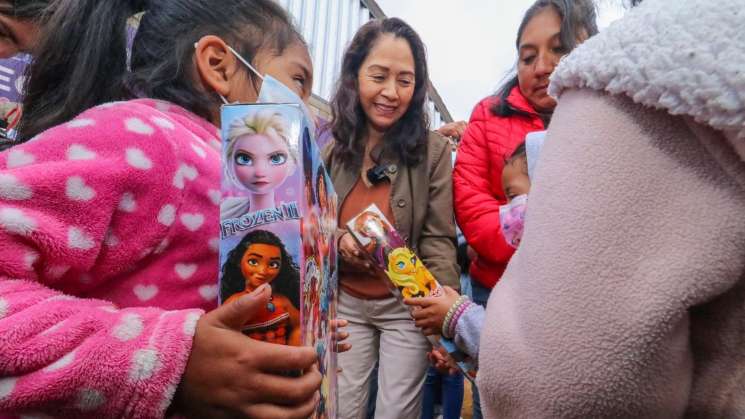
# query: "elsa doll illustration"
[[259, 159]]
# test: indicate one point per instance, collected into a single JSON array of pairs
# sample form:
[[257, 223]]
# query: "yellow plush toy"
[[409, 274]]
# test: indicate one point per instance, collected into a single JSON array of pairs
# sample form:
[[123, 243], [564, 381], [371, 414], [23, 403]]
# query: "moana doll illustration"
[[261, 258], [260, 157]]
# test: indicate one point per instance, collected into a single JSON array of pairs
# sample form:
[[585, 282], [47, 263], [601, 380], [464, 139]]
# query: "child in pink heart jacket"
[[103, 219], [109, 232]]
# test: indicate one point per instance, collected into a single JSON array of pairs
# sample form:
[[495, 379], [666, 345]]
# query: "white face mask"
[[274, 91]]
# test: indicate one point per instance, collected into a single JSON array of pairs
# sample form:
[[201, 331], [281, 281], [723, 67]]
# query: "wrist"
[[446, 324]]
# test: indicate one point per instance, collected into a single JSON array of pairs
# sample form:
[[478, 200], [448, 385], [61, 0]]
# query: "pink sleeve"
[[61, 200]]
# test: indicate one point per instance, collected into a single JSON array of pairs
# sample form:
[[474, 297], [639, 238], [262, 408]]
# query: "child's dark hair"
[[519, 155], [519, 152], [26, 9], [407, 138], [578, 18], [81, 58], [286, 283]]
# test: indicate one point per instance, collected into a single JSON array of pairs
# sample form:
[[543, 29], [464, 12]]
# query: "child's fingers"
[[343, 347], [423, 313], [419, 301], [337, 323]]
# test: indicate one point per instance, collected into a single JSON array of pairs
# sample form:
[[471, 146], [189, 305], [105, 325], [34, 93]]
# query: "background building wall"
[[328, 26]]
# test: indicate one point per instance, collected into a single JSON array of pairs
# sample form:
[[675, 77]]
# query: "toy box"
[[277, 223]]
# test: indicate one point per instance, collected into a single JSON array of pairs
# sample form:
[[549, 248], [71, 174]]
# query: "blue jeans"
[[449, 388], [479, 295]]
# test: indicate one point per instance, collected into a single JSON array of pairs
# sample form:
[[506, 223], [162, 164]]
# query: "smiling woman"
[[379, 122]]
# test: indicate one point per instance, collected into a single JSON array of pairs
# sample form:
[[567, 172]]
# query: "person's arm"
[[468, 330], [632, 224], [476, 206], [61, 197], [437, 240]]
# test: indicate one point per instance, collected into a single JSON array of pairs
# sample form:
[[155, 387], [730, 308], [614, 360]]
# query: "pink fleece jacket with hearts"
[[108, 257]]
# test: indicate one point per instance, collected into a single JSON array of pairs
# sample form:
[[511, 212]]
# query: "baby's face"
[[261, 162], [515, 180]]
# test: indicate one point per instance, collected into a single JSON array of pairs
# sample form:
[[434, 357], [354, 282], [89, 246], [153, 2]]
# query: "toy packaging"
[[408, 277], [277, 223]]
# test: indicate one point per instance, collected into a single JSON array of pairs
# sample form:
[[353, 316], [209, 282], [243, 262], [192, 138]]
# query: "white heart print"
[[127, 203], [13, 189], [184, 171], [208, 292], [215, 196], [137, 159], [79, 152], [185, 270], [81, 123], [19, 158], [77, 190], [145, 292], [78, 239], [137, 126], [192, 221], [167, 215]]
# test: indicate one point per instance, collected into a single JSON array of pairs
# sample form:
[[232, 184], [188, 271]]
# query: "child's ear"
[[215, 64]]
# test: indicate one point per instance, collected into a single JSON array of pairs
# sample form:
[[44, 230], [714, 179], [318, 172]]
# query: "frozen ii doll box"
[[277, 223], [407, 275]]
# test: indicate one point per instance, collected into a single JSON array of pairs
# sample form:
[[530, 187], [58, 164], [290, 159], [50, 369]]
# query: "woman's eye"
[[378, 78], [528, 60], [405, 83], [278, 159], [253, 262], [274, 265], [243, 159]]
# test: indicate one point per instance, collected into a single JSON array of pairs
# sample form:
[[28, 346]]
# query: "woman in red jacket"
[[499, 123]]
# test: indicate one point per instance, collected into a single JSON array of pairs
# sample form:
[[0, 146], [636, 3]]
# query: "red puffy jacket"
[[477, 181]]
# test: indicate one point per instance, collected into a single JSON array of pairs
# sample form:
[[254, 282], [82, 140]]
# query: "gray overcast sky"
[[471, 43]]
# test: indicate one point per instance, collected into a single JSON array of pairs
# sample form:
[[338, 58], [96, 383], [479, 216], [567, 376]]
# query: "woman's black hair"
[[578, 20], [81, 60], [26, 9], [407, 138], [286, 283]]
